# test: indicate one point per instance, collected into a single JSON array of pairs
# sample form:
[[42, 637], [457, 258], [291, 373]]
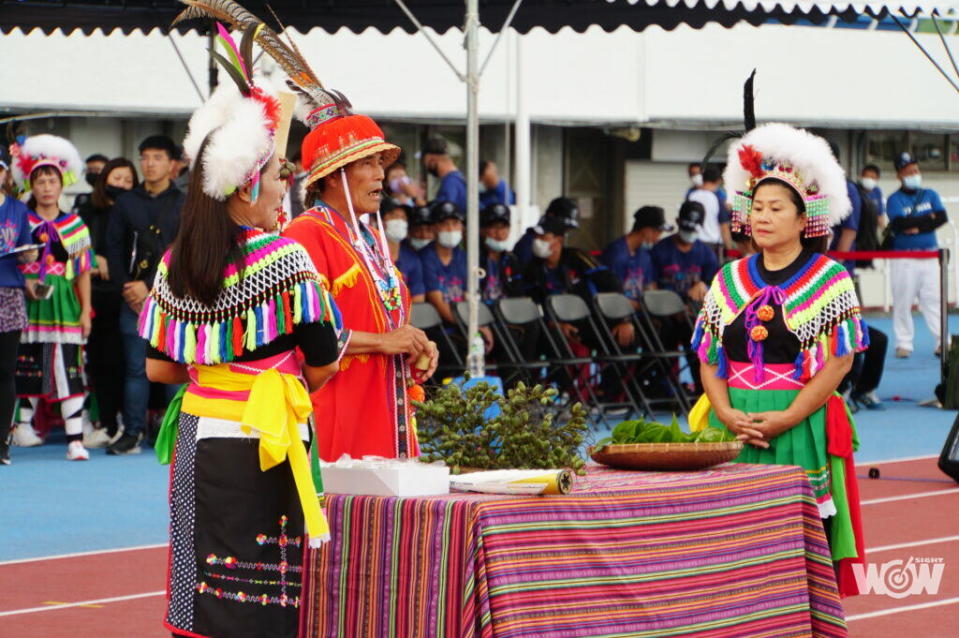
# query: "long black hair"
[[207, 243], [813, 244]]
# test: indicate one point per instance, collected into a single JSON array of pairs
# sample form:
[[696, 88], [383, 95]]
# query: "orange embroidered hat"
[[339, 137]]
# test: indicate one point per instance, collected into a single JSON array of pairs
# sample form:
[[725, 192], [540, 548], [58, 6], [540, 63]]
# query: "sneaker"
[[25, 436], [4, 454], [868, 400], [126, 444], [76, 452], [95, 438], [902, 353]]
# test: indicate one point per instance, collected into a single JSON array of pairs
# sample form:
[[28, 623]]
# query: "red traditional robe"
[[364, 409]]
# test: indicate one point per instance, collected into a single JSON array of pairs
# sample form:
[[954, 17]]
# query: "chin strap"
[[383, 247]]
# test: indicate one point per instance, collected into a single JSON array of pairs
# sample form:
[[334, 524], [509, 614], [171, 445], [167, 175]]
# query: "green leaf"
[[625, 431], [603, 443]]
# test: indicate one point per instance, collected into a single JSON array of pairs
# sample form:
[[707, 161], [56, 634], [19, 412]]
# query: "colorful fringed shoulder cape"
[[72, 234], [819, 305], [277, 289], [56, 319]]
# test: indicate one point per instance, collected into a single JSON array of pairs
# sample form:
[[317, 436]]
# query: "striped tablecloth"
[[738, 550]]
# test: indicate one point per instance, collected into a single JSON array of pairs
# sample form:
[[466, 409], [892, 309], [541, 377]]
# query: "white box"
[[376, 478]]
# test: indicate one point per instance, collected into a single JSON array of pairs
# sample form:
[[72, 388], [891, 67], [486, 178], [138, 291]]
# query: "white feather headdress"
[[238, 123], [45, 150], [240, 135], [800, 159]]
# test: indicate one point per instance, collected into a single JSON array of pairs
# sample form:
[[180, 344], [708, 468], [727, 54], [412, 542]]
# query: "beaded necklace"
[[377, 262]]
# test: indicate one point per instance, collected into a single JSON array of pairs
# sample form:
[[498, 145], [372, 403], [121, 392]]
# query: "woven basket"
[[666, 456]]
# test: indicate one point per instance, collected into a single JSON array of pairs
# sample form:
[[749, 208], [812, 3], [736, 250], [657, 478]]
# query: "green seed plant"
[[531, 431]]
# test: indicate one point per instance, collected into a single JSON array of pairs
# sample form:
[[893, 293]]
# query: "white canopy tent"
[[523, 15]]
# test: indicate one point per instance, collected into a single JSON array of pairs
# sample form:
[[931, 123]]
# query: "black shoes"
[[126, 444]]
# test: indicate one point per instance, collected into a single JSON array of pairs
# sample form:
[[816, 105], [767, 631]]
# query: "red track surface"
[[49, 582]]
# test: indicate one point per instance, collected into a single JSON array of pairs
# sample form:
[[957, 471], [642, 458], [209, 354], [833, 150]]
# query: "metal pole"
[[929, 57], [475, 360], [943, 313], [521, 168], [419, 27], [186, 67]]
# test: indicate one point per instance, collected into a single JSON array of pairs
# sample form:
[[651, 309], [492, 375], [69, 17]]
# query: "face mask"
[[496, 245], [646, 245], [418, 243], [396, 229], [92, 178], [542, 248], [450, 238], [114, 191], [912, 182], [868, 183], [697, 180], [688, 236]]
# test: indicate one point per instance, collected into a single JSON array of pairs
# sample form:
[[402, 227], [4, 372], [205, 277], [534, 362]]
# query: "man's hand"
[[624, 333], [487, 338], [406, 340], [698, 291], [85, 322], [102, 271], [569, 331], [419, 376], [135, 293]]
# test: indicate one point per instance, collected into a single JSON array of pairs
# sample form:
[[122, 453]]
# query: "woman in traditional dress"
[[230, 307], [50, 359], [14, 237], [778, 330]]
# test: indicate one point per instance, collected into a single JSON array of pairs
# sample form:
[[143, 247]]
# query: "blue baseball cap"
[[903, 160]]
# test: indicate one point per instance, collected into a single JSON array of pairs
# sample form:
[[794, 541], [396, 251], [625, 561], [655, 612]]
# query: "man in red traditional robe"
[[365, 409]]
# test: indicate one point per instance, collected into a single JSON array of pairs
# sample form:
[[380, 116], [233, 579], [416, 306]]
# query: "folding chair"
[[522, 317], [567, 308], [665, 305], [645, 361], [425, 317]]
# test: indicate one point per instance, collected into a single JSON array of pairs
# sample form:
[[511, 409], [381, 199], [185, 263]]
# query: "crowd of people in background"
[[133, 215]]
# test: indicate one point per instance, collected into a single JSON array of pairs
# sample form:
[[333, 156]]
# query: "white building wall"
[[683, 78]]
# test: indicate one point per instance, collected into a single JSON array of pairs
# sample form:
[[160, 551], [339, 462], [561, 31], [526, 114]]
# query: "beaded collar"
[[276, 289], [819, 305], [69, 230]]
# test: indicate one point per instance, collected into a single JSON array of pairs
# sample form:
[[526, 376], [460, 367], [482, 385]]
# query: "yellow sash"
[[279, 433], [699, 414]]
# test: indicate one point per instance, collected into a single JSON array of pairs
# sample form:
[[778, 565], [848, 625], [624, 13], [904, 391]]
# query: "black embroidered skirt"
[[236, 536]]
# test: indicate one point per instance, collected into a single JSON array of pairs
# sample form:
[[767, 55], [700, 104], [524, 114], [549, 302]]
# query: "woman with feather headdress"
[[50, 359], [239, 316], [367, 408], [778, 329]]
